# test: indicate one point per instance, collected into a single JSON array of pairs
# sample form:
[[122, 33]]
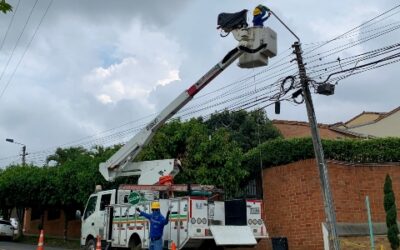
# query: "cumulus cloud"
[[139, 71]]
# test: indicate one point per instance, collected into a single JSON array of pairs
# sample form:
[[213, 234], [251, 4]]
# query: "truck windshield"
[[90, 207]]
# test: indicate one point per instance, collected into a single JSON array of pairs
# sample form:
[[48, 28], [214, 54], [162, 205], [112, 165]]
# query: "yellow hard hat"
[[256, 11], [155, 205]]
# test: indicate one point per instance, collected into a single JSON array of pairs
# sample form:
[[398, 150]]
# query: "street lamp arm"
[[273, 13], [12, 141]]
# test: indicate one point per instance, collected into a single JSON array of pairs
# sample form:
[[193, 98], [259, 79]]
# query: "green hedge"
[[284, 151]]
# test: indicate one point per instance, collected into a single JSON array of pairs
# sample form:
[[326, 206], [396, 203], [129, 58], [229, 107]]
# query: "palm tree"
[[5, 7]]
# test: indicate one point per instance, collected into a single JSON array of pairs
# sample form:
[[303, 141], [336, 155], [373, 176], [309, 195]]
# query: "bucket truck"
[[195, 217]]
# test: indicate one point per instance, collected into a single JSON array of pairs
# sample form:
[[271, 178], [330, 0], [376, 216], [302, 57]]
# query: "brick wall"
[[54, 228], [293, 201], [294, 205]]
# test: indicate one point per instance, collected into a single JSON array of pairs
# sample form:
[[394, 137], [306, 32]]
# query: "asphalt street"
[[8, 245]]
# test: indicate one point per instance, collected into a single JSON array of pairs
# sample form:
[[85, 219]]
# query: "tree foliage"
[[248, 129], [389, 203], [284, 151], [5, 7], [211, 153], [208, 157]]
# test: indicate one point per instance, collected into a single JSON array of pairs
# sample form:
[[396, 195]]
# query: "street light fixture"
[[23, 149]]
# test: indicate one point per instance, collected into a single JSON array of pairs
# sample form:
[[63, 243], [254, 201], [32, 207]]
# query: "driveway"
[[8, 245]]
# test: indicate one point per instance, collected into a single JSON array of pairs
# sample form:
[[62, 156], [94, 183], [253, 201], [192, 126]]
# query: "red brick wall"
[[293, 199], [53, 228]]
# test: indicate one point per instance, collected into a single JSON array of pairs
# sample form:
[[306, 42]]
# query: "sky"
[[94, 72]]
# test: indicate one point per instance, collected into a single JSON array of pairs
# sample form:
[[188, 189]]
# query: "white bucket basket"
[[252, 38]]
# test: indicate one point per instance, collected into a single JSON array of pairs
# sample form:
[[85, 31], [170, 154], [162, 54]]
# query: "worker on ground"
[[157, 223], [258, 15]]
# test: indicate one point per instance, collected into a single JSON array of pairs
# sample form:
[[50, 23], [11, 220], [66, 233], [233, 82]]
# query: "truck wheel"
[[90, 245], [136, 245]]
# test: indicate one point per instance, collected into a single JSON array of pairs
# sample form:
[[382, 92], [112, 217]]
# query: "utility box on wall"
[[280, 243]]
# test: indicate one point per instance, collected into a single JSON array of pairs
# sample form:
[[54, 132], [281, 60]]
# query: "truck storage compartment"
[[233, 236], [235, 212]]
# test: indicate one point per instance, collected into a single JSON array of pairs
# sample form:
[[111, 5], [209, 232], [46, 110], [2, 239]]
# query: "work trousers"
[[156, 244]]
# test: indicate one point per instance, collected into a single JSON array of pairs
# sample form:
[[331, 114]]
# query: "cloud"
[[173, 75], [96, 64], [139, 70]]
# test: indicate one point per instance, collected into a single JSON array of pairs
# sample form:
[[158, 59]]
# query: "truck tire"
[[90, 245], [136, 244]]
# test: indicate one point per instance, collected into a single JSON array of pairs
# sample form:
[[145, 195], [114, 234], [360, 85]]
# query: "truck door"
[[100, 222], [88, 219]]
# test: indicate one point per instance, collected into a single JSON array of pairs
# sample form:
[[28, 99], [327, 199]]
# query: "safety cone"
[[173, 246], [41, 241], [98, 244]]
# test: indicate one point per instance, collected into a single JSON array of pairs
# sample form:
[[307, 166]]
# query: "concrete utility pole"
[[23, 155], [318, 150]]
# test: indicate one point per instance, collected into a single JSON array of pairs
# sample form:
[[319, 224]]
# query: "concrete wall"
[[294, 205]]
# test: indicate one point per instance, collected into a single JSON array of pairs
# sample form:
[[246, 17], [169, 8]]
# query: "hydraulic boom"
[[252, 41]]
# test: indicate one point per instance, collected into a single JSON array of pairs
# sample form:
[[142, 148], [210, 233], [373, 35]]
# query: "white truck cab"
[[94, 216]]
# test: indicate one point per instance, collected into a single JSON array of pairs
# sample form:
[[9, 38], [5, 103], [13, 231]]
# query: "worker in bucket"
[[258, 15], [157, 224]]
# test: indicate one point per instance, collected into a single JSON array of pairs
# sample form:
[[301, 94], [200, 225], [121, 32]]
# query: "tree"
[[5, 7], [391, 213], [26, 186], [248, 129], [62, 155], [209, 157]]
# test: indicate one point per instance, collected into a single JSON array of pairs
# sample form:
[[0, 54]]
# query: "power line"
[[26, 48], [19, 38], [244, 100], [355, 28], [9, 25]]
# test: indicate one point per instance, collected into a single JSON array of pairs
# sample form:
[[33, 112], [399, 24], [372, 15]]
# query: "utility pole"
[[24, 153], [318, 150], [316, 139]]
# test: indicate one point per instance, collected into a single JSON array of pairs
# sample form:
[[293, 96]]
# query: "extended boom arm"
[[120, 164]]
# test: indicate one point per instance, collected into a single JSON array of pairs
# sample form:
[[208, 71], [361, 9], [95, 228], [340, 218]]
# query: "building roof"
[[300, 123], [290, 129], [365, 118], [387, 114]]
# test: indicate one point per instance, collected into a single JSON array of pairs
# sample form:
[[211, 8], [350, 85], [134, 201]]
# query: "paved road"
[[7, 245]]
